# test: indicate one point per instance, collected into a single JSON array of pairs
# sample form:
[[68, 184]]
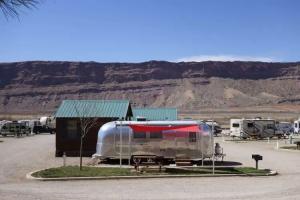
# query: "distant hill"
[[40, 86]]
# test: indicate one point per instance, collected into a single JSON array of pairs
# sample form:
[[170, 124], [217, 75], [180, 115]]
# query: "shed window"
[[235, 125], [72, 131], [192, 136], [155, 135], [139, 135]]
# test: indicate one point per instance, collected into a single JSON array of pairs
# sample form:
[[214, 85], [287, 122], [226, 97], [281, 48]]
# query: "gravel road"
[[21, 155]]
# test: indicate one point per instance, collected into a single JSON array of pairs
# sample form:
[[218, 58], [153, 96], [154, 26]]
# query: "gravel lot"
[[22, 155]]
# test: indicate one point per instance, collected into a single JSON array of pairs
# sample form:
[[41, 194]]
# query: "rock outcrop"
[[40, 86]]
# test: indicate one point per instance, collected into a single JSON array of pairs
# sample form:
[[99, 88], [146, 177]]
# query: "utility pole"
[[213, 146], [121, 147], [129, 147]]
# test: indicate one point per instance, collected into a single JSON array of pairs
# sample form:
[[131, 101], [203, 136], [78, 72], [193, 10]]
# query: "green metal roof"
[[94, 108], [155, 114]]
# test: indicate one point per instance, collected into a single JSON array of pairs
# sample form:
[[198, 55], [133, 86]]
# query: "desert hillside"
[[39, 86]]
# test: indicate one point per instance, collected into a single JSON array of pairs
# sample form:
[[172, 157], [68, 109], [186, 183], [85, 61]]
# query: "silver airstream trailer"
[[166, 139]]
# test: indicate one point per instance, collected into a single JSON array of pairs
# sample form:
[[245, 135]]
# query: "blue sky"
[[141, 30]]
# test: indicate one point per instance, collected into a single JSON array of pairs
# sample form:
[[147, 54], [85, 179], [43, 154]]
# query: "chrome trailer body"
[[193, 146]]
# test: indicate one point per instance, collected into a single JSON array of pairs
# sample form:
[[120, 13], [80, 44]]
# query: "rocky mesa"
[[40, 86]]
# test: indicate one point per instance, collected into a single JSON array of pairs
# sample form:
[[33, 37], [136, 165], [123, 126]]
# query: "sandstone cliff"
[[40, 86]]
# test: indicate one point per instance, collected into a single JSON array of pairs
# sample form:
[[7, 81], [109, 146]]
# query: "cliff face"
[[34, 87]]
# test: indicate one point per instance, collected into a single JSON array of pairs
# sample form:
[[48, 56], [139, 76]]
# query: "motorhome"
[[252, 128], [297, 126], [167, 139]]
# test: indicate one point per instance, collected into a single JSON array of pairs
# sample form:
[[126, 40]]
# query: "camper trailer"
[[14, 128], [297, 126], [253, 128], [166, 139], [284, 128]]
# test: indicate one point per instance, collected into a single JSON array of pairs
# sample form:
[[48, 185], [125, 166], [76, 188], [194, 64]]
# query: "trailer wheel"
[[4, 135]]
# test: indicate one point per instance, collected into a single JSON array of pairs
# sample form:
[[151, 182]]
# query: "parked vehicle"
[[297, 126], [215, 126], [166, 139], [284, 128], [14, 128], [47, 125], [253, 128], [3, 122], [35, 125]]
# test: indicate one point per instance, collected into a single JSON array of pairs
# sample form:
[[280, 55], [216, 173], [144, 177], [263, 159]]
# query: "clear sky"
[[141, 30]]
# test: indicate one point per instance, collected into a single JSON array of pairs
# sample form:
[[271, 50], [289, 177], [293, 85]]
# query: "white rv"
[[235, 127], [252, 128], [297, 126]]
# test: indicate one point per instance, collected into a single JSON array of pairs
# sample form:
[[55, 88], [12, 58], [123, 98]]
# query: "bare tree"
[[87, 121], [12, 7]]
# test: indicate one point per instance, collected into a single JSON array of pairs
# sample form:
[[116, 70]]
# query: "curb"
[[30, 177], [288, 150]]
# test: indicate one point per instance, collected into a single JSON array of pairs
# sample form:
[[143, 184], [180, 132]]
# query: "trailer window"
[[251, 124], [296, 125], [270, 126], [235, 125], [155, 135], [139, 135], [192, 136]]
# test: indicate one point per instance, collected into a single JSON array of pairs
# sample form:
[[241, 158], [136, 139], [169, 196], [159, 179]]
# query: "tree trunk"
[[80, 153]]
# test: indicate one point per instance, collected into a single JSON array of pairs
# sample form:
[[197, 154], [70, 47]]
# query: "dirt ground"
[[22, 155]]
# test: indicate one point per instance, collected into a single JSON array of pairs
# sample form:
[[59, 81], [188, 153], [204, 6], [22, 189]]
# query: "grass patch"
[[73, 171]]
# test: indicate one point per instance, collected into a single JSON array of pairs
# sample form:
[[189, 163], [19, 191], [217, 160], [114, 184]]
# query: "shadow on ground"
[[199, 163]]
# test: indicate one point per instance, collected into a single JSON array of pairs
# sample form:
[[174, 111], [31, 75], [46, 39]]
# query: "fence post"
[[64, 159]]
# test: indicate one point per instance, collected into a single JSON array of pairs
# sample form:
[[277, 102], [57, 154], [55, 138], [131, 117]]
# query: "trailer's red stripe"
[[181, 128]]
